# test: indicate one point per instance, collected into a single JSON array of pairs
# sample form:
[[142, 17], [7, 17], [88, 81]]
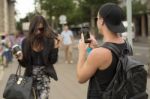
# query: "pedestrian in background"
[[6, 50], [67, 37], [19, 37], [100, 66], [39, 53]]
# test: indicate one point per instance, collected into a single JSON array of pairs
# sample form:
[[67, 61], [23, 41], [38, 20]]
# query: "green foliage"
[[93, 5], [90, 9], [28, 17], [77, 16], [138, 8], [19, 25], [86, 9], [57, 7], [96, 3]]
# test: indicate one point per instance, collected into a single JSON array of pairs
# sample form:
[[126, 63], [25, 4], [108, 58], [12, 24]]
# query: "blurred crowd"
[[6, 43]]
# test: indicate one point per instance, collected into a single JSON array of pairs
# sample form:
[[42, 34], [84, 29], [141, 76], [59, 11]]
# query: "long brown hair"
[[47, 30]]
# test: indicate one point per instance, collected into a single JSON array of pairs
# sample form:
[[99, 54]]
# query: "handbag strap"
[[34, 93], [18, 71]]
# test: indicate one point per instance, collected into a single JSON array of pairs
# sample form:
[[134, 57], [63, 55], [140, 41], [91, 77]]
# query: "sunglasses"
[[41, 29], [96, 18]]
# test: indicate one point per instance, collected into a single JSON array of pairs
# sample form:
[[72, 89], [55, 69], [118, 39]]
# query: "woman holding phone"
[[39, 53]]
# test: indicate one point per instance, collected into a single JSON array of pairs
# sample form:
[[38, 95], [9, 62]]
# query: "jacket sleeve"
[[23, 62], [53, 56]]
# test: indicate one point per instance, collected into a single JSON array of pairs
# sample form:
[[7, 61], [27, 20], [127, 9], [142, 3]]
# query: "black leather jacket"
[[49, 54]]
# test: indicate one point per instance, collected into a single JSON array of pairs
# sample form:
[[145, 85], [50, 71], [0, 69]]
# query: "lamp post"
[[129, 20], [148, 14], [149, 57], [149, 40]]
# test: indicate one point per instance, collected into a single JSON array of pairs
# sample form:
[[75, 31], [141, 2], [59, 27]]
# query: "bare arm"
[[86, 68], [99, 58], [58, 41]]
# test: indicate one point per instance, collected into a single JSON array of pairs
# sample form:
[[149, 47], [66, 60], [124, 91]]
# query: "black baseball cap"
[[113, 16]]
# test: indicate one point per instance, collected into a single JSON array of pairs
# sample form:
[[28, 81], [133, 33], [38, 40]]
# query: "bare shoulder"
[[102, 57], [101, 51]]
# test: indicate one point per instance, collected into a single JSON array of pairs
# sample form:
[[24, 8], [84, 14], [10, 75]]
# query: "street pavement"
[[67, 87]]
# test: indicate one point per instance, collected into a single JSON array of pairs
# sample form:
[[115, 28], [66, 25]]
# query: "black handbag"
[[18, 87]]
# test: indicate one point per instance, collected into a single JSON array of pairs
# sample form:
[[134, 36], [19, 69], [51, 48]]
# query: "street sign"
[[62, 19], [25, 26]]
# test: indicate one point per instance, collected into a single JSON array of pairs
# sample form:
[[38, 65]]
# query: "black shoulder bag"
[[18, 87]]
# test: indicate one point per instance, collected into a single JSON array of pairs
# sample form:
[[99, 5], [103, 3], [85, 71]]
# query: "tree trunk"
[[143, 26], [92, 28]]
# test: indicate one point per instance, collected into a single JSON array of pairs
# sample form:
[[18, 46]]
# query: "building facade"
[[141, 20], [7, 16]]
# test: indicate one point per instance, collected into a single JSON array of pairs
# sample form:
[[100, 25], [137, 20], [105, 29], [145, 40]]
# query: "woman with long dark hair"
[[39, 53]]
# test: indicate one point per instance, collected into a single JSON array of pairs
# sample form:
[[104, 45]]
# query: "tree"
[[91, 7], [85, 12], [57, 7], [77, 16], [19, 25], [138, 7], [27, 18]]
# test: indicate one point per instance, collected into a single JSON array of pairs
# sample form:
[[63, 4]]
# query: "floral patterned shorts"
[[41, 82]]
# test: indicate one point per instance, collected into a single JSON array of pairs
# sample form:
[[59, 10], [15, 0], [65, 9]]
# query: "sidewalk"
[[1, 72], [66, 87], [143, 40]]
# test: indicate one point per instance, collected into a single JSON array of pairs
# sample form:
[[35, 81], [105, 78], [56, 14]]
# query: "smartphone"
[[86, 34], [16, 49]]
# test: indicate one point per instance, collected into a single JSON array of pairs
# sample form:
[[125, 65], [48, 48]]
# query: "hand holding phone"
[[16, 50]]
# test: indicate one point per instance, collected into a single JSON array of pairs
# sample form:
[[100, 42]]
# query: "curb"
[[1, 72]]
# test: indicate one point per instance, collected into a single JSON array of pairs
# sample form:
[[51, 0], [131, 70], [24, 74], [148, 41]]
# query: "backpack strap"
[[125, 51], [113, 48], [105, 94], [129, 48], [119, 53]]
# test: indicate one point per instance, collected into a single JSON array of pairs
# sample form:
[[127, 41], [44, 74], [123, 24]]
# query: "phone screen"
[[86, 35]]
